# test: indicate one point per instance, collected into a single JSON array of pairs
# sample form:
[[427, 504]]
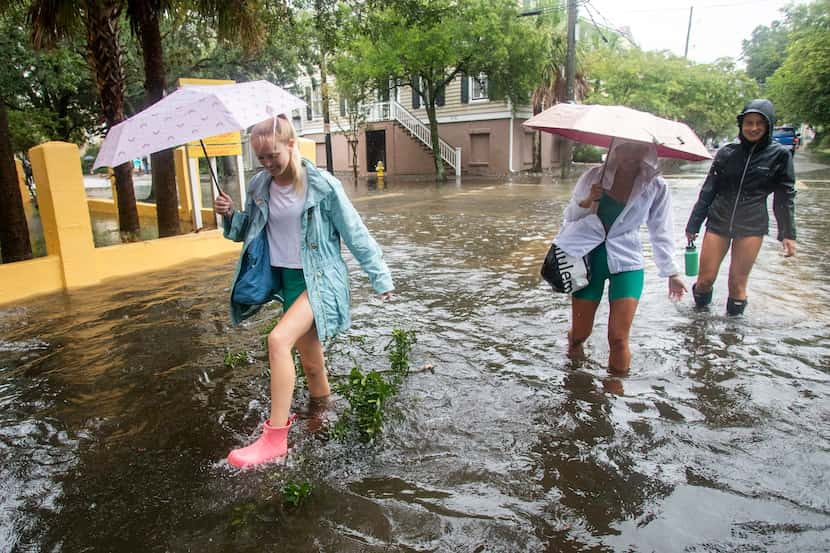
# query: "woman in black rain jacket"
[[733, 201]]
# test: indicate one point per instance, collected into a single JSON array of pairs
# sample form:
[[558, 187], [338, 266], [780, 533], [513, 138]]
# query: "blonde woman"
[[304, 213]]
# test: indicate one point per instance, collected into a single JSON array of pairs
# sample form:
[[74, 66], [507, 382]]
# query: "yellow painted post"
[[183, 184], [67, 230], [24, 190], [113, 188], [308, 149]]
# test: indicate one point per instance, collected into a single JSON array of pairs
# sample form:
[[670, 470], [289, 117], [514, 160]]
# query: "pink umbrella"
[[194, 113], [600, 125]]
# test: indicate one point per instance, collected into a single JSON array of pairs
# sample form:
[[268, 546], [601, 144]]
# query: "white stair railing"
[[384, 111]]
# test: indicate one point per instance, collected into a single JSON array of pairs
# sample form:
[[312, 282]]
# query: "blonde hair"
[[279, 128]]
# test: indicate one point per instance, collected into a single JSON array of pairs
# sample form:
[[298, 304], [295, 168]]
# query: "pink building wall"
[[484, 149]]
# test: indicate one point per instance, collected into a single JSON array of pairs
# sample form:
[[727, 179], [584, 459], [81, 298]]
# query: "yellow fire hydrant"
[[379, 169]]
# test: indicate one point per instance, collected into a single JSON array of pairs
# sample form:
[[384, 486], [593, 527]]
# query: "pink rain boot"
[[272, 444]]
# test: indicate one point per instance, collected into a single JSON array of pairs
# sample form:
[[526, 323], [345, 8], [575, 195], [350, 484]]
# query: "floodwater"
[[117, 410]]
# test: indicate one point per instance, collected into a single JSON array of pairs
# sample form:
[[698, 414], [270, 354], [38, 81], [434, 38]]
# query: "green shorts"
[[628, 284], [288, 284]]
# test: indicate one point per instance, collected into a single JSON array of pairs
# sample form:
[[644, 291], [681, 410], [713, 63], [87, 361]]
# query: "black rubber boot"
[[735, 307], [702, 299]]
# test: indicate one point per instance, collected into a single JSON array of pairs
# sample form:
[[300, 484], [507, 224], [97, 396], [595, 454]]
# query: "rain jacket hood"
[[765, 108]]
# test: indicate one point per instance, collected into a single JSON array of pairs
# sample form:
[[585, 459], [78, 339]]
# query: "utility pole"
[[570, 76], [324, 90], [324, 24], [688, 32], [570, 61]]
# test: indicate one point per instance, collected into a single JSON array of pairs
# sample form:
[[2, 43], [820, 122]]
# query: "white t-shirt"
[[285, 210]]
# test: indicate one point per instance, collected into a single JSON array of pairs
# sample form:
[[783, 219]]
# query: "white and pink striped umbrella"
[[194, 113], [599, 125]]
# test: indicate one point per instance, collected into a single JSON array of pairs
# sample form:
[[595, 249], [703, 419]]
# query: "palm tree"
[[144, 18], [552, 89], [239, 19], [14, 232], [100, 19]]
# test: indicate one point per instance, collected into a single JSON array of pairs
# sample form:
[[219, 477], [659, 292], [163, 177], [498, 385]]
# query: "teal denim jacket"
[[327, 216]]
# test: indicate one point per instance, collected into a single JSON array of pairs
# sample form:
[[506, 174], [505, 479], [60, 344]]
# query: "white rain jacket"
[[649, 203]]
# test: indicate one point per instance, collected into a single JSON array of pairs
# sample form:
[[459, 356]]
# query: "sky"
[[718, 26]]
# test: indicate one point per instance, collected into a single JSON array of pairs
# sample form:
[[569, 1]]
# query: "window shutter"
[[439, 97], [465, 88], [416, 92], [494, 93], [308, 114], [343, 106]]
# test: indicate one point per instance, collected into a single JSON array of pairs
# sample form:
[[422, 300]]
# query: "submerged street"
[[117, 410]]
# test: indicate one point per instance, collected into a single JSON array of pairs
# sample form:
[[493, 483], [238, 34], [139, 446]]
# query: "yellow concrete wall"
[[148, 210], [24, 279], [153, 255], [145, 210], [72, 260], [24, 191]]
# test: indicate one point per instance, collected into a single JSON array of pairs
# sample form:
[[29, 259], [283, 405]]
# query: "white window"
[[394, 86], [317, 101], [478, 87]]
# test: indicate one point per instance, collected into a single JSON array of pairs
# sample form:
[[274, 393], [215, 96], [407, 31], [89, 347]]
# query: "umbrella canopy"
[[599, 125], [193, 113]]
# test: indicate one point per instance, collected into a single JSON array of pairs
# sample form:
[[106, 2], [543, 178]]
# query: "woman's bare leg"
[[744, 253], [295, 323], [619, 330], [582, 323], [712, 252], [311, 355]]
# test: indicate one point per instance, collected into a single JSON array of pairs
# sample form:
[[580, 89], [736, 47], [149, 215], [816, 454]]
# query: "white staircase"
[[391, 110]]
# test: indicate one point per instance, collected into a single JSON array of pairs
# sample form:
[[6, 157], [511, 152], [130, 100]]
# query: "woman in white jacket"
[[603, 220]]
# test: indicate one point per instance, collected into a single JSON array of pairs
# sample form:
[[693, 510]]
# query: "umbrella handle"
[[210, 167], [605, 163]]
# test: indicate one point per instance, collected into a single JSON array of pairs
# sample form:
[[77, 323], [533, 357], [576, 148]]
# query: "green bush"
[[584, 153], [367, 394]]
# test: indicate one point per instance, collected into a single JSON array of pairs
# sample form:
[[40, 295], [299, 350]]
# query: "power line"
[[704, 5], [608, 26]]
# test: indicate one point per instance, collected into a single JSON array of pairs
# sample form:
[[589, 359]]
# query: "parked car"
[[787, 137]]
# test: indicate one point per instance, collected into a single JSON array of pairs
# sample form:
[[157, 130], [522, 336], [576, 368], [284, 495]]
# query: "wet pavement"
[[117, 410]]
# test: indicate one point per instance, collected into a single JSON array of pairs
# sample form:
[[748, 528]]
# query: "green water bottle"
[[691, 259]]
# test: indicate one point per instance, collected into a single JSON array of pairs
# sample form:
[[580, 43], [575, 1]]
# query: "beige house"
[[479, 135]]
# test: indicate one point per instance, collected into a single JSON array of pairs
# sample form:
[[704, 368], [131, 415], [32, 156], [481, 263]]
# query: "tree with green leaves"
[[14, 232], [353, 94], [427, 44], [43, 95], [765, 50], [800, 87], [50, 94], [100, 20], [240, 19], [705, 96], [551, 86]]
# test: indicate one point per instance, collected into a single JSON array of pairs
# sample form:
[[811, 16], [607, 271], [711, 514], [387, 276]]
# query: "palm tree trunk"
[[144, 15], [14, 232], [537, 146], [102, 28]]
